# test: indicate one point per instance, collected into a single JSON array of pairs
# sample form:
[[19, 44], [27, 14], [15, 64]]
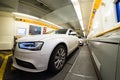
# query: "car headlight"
[[31, 45]]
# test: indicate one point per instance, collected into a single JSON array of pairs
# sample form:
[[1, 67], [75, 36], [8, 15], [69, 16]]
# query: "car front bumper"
[[30, 61]]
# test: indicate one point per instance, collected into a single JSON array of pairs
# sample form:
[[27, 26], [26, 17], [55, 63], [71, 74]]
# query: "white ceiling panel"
[[60, 12], [55, 4], [62, 15]]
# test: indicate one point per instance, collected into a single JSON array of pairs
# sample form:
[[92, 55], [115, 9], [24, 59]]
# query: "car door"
[[72, 42]]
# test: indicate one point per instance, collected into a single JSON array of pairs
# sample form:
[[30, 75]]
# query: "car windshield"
[[61, 31]]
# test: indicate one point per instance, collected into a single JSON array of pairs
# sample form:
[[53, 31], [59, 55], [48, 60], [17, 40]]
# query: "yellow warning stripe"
[[3, 67], [36, 22]]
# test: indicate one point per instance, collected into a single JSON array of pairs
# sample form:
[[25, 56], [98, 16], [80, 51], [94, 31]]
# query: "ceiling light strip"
[[42, 24], [34, 20], [78, 12]]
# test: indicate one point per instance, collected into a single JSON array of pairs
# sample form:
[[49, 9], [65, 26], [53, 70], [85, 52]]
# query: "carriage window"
[[21, 31], [34, 30]]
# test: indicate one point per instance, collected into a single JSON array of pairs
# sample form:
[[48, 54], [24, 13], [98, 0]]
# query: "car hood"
[[40, 37]]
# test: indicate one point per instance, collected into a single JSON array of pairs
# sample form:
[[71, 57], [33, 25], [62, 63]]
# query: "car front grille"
[[25, 64]]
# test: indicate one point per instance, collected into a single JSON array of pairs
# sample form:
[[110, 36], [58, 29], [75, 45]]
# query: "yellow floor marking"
[[2, 69]]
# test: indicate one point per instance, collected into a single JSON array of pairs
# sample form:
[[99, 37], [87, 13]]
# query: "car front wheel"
[[57, 59]]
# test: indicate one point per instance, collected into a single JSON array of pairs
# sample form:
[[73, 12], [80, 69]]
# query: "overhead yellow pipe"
[[95, 7]]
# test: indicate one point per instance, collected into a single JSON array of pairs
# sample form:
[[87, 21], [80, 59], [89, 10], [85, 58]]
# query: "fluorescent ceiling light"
[[33, 17], [78, 12], [25, 15]]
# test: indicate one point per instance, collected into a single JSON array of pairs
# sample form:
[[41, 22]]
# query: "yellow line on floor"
[[2, 69]]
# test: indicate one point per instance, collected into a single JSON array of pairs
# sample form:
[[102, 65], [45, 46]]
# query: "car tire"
[[57, 59]]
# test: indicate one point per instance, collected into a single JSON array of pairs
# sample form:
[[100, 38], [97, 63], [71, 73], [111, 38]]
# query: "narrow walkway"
[[82, 68]]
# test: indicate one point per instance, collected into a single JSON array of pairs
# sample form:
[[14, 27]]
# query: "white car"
[[41, 52], [81, 42]]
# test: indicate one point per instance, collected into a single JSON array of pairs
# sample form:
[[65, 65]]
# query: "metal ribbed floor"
[[82, 68]]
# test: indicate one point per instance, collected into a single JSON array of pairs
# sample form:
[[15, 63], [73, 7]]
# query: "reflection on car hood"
[[40, 37]]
